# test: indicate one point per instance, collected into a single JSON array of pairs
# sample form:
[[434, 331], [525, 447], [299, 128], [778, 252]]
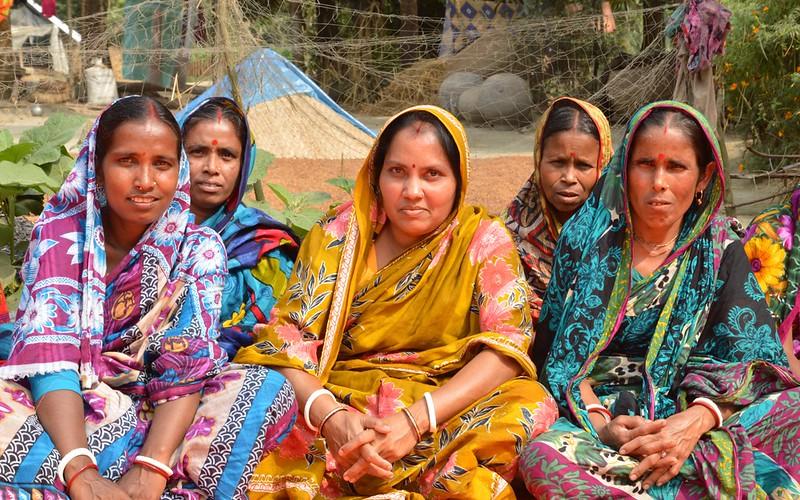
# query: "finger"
[[371, 455], [362, 438], [376, 424], [356, 471], [629, 421], [644, 466], [665, 474], [647, 445]]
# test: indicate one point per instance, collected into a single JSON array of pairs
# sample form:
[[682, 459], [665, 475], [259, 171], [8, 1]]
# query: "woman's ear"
[[705, 177]]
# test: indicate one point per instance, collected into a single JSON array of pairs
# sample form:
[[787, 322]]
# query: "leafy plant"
[[346, 184], [300, 210], [36, 165], [761, 78]]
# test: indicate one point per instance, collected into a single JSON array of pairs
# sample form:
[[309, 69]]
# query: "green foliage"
[[35, 166], [300, 210], [346, 184], [761, 76], [263, 160]]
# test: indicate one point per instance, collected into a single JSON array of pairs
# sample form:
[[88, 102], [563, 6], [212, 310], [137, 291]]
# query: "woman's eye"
[[434, 173]]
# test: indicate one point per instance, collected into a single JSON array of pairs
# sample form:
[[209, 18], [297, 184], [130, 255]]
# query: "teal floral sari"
[[698, 326]]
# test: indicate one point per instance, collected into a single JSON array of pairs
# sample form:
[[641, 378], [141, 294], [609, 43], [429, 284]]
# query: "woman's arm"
[[61, 414], [170, 422]]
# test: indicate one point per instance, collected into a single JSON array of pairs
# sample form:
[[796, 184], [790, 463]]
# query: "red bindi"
[[661, 157], [214, 142], [572, 154], [414, 166]]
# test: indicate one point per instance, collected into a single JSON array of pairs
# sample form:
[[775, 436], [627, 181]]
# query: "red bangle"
[[80, 471], [152, 468], [602, 410]]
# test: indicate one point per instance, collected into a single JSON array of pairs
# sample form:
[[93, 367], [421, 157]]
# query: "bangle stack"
[[431, 412], [329, 415], [310, 401], [69, 457], [601, 410], [154, 465], [710, 406], [413, 423]]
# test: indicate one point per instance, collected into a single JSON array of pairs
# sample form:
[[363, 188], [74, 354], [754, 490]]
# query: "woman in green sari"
[[664, 358]]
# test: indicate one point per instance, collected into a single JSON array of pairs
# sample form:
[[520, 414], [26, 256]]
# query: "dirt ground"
[[493, 181]]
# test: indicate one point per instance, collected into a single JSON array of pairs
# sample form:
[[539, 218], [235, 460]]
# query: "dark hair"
[[407, 120], [661, 117], [133, 108], [565, 116], [216, 108]]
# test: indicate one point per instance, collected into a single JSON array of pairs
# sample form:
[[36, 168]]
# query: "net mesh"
[[497, 72]]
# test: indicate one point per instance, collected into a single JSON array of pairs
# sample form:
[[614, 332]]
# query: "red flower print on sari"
[[496, 278], [494, 317], [337, 227], [296, 444], [385, 402], [491, 239], [304, 350]]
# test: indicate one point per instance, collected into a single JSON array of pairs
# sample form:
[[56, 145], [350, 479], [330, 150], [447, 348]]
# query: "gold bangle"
[[329, 415], [413, 422]]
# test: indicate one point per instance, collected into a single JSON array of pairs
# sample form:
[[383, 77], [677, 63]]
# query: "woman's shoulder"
[[488, 234], [202, 244]]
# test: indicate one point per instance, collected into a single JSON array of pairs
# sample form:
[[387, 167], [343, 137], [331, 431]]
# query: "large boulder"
[[454, 85], [503, 98]]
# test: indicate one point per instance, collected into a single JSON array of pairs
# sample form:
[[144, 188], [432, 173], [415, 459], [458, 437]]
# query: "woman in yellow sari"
[[406, 308]]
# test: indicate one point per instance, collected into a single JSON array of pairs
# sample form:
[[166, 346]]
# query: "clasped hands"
[[366, 445], [661, 446]]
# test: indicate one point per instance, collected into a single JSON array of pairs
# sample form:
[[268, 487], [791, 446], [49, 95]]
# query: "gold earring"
[[698, 197]]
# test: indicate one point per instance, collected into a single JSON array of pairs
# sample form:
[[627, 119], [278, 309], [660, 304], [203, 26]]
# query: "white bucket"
[[101, 87]]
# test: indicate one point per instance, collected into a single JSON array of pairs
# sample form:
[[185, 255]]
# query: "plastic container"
[[101, 87]]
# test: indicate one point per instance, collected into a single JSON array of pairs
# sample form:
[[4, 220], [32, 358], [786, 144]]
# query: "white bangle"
[[710, 406], [431, 412], [166, 469], [69, 457], [310, 401]]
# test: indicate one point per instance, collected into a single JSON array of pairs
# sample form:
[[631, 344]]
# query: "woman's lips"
[[209, 187]]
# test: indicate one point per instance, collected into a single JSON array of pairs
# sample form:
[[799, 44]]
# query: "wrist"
[[419, 411], [706, 421], [75, 465]]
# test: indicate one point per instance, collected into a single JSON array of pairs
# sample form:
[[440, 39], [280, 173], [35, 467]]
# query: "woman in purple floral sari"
[[123, 390]]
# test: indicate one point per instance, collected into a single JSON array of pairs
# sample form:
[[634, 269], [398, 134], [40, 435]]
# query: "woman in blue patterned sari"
[[261, 251], [663, 356]]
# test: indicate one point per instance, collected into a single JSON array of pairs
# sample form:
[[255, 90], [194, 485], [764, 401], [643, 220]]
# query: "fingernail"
[[633, 477], [646, 486]]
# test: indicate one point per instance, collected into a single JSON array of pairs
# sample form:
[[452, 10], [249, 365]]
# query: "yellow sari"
[[380, 340]]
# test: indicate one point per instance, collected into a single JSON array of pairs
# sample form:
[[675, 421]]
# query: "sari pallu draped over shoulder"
[[712, 336], [261, 252], [139, 335], [378, 342], [530, 217]]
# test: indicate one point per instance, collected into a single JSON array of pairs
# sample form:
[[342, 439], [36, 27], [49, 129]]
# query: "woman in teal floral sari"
[[663, 356]]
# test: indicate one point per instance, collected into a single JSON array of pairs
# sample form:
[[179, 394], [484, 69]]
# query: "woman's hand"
[[142, 484], [347, 426], [90, 485], [665, 451], [390, 446], [624, 429]]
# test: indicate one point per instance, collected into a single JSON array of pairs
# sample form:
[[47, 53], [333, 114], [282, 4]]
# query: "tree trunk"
[[92, 30]]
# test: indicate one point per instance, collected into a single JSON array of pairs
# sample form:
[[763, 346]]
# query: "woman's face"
[[215, 157], [663, 178], [417, 184], [140, 173], [568, 170]]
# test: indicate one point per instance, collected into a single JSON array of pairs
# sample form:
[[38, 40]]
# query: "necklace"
[[655, 249]]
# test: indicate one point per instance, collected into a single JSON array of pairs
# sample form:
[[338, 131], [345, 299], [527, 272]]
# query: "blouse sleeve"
[[738, 358], [186, 352]]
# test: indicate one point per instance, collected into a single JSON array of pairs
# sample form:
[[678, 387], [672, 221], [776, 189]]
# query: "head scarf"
[[592, 280], [249, 235], [63, 316], [438, 275], [530, 217]]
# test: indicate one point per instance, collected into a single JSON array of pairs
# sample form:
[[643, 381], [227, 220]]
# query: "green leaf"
[[17, 152], [17, 177], [44, 154], [59, 129], [6, 234], [6, 139], [7, 270], [305, 219], [263, 160], [313, 198], [281, 192], [346, 184], [29, 205]]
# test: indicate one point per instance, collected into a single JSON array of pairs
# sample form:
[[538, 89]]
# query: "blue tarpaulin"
[[265, 75]]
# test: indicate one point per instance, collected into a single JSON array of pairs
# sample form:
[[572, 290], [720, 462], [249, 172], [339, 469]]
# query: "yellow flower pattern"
[[767, 261]]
